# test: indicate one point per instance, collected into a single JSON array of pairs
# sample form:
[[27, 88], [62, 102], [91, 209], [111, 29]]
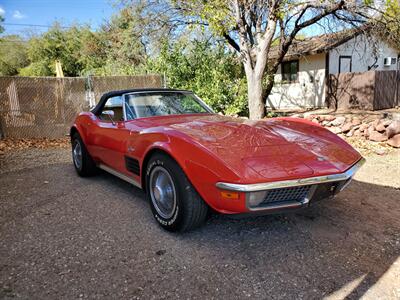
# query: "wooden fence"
[[371, 90]]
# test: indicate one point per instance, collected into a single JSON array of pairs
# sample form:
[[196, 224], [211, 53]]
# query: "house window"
[[290, 70]]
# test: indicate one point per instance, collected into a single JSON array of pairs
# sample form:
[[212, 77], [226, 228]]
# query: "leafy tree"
[[13, 55], [58, 44], [251, 26], [124, 45], [157, 23], [92, 53], [115, 49], [388, 23], [208, 70]]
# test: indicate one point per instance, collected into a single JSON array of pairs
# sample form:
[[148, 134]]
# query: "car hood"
[[274, 149]]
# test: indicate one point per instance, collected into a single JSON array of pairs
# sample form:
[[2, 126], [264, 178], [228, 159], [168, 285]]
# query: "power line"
[[33, 25]]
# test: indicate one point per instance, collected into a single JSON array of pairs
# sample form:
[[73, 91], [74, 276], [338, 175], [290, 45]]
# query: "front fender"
[[202, 168]]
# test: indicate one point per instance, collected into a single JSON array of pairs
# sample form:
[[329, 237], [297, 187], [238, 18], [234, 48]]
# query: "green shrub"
[[210, 71]]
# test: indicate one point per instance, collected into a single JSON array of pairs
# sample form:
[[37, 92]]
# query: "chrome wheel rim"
[[162, 192], [77, 154]]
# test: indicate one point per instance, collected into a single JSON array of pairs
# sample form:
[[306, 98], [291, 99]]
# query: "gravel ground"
[[64, 237]]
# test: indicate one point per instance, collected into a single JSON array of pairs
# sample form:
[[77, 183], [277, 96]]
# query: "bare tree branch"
[[231, 42]]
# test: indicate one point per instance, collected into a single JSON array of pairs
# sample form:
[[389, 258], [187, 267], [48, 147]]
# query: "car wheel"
[[175, 203], [83, 162]]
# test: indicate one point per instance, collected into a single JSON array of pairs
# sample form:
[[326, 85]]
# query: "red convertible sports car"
[[189, 160]]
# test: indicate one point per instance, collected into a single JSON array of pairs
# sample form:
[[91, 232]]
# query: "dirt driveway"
[[64, 237]]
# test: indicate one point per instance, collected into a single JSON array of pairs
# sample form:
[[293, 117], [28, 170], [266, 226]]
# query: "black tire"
[[87, 167], [190, 210]]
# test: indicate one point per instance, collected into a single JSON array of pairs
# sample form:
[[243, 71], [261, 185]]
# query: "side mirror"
[[110, 114]]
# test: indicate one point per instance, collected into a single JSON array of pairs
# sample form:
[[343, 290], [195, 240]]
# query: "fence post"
[[1, 130], [90, 92], [397, 82], [165, 80]]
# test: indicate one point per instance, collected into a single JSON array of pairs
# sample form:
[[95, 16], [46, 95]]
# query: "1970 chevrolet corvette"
[[188, 159]]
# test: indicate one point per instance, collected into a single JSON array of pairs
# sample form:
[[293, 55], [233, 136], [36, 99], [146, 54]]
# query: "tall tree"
[[72, 46], [157, 22], [123, 43], [387, 24], [252, 26]]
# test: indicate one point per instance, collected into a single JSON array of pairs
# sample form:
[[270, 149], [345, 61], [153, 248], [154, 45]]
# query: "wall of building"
[[309, 91], [364, 53]]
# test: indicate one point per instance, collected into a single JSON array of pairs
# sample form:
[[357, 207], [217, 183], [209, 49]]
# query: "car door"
[[109, 136]]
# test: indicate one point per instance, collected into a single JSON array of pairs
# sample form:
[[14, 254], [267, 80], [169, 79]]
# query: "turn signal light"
[[229, 195]]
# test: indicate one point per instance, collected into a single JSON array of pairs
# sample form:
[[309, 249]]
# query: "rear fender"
[[82, 125]]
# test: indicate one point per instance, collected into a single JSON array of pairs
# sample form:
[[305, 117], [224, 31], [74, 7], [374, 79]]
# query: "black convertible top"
[[97, 109]]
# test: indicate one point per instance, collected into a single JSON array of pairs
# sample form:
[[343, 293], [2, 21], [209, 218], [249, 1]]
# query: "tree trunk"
[[270, 81], [255, 94]]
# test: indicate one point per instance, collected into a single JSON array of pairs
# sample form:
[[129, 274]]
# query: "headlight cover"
[[255, 198]]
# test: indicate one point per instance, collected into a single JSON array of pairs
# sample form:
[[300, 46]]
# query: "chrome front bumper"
[[339, 182]]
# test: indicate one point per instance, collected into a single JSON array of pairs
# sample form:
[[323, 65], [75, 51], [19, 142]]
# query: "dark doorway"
[[345, 63]]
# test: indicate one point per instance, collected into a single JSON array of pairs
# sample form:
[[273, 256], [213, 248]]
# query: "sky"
[[27, 17], [27, 13]]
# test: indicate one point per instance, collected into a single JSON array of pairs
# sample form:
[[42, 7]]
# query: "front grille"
[[297, 193]]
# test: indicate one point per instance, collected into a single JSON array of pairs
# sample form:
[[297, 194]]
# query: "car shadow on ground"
[[347, 243]]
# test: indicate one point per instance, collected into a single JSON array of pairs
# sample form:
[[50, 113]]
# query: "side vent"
[[132, 165]]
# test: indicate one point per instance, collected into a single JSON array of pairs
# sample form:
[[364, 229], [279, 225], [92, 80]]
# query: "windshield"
[[147, 104]]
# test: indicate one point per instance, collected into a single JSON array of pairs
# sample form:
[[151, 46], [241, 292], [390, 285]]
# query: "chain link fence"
[[35, 107]]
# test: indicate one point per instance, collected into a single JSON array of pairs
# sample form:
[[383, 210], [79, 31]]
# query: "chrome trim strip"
[[120, 175], [291, 183], [123, 107], [282, 206]]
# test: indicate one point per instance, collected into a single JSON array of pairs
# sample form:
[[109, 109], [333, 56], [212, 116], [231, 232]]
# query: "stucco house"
[[301, 80]]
